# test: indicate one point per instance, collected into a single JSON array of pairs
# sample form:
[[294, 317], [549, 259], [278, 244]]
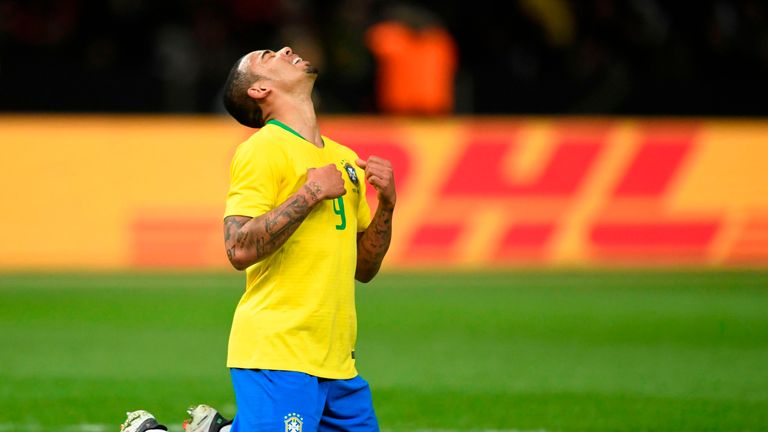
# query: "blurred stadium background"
[[582, 233]]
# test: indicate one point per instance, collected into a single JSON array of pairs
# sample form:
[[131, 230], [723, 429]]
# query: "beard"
[[311, 70]]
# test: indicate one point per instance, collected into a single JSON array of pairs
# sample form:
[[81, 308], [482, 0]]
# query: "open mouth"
[[297, 60]]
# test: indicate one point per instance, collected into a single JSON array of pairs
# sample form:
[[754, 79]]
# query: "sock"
[[225, 428]]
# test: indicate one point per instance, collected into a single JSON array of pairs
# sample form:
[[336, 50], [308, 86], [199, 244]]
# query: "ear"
[[259, 90]]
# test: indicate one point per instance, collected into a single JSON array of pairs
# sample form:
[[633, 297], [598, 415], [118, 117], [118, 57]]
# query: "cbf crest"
[[351, 173], [293, 422]]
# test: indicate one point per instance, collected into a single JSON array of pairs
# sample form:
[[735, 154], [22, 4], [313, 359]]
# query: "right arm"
[[249, 240]]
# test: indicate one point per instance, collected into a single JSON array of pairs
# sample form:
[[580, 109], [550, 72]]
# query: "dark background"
[[631, 57]]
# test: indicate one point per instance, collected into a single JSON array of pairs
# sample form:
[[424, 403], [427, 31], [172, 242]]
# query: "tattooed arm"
[[249, 240], [373, 243]]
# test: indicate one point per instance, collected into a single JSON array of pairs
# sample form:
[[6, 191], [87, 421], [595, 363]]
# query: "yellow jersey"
[[298, 309]]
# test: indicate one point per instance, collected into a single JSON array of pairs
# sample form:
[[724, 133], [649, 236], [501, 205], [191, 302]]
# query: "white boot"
[[204, 419], [141, 421]]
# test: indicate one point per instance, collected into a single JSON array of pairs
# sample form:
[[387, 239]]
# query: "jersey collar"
[[284, 126]]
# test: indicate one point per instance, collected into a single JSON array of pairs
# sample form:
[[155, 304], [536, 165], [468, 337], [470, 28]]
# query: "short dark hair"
[[239, 105]]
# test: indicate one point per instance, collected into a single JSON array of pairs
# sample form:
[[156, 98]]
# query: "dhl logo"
[[563, 192], [472, 192]]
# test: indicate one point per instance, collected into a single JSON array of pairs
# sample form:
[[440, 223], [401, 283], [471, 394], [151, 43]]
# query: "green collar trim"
[[284, 126]]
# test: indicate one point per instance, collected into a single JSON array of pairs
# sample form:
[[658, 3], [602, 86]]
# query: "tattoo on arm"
[[232, 226], [373, 245], [280, 223], [250, 240], [314, 190]]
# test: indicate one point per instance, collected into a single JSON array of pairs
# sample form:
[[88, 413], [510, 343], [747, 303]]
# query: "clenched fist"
[[325, 182], [378, 172]]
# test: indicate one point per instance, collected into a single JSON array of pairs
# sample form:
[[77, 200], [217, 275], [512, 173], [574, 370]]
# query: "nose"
[[286, 51]]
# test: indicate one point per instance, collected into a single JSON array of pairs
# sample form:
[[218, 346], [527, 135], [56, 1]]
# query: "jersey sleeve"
[[253, 186]]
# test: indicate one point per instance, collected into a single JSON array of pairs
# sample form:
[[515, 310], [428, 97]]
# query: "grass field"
[[557, 351]]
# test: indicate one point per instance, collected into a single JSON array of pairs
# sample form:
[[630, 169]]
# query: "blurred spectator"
[[628, 57], [417, 62], [36, 23]]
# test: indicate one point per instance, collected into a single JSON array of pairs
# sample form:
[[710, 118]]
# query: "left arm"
[[373, 243]]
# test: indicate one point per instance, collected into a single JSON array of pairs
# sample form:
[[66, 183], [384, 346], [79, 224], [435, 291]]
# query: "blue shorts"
[[270, 401]]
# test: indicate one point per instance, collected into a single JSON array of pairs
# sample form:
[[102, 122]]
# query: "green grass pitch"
[[522, 351]]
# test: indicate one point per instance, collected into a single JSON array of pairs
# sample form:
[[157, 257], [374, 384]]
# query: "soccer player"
[[297, 221]]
